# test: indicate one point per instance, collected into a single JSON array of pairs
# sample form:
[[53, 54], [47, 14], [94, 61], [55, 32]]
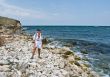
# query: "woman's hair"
[[38, 30]]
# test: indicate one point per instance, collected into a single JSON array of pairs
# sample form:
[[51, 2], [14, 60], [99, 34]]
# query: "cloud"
[[15, 11], [29, 15]]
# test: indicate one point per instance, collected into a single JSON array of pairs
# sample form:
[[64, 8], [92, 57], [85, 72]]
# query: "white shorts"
[[38, 44]]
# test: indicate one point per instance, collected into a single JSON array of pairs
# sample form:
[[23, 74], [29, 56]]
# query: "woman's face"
[[39, 33]]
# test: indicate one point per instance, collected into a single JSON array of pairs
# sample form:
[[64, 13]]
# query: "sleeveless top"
[[36, 38]]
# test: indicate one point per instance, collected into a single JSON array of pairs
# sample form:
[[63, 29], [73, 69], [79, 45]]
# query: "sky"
[[57, 12]]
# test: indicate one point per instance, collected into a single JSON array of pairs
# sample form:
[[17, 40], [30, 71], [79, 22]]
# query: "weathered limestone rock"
[[4, 62], [8, 25], [62, 64], [64, 73], [4, 68], [60, 50]]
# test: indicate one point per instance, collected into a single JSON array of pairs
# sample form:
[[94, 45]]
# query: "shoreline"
[[55, 62]]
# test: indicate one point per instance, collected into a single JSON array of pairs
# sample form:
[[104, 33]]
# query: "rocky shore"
[[56, 62], [16, 50]]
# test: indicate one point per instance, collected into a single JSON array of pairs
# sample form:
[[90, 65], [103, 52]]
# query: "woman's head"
[[38, 30], [39, 33]]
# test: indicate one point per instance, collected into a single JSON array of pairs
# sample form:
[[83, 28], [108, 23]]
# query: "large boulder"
[[9, 26]]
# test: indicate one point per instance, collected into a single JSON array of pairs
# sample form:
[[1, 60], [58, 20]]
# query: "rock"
[[4, 68], [77, 63], [56, 72], [71, 58], [77, 57], [34, 65], [93, 74], [9, 25], [84, 75], [60, 50], [44, 76], [19, 73], [45, 41], [32, 75], [64, 72], [4, 62], [65, 56], [3, 74], [62, 64], [64, 50], [84, 52], [2, 40]]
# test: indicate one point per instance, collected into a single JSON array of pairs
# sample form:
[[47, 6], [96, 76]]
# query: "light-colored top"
[[37, 37]]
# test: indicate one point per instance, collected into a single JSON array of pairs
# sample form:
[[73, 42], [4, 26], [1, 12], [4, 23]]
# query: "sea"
[[89, 42]]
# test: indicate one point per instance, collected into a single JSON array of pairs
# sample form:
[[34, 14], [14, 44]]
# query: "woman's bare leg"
[[33, 52], [39, 50]]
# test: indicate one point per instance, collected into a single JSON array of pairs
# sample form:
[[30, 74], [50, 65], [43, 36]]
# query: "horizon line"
[[65, 25]]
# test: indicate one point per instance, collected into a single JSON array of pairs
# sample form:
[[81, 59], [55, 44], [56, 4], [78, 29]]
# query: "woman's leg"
[[39, 52], [33, 52]]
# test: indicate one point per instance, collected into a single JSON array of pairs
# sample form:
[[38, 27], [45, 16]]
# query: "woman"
[[37, 43]]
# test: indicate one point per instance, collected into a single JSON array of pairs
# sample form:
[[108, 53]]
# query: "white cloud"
[[28, 15], [15, 11]]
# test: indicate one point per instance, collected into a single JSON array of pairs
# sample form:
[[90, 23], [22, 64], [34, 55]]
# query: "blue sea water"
[[89, 33], [94, 39]]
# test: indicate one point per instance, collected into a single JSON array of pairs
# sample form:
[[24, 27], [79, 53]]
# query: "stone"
[[19, 73], [4, 68], [56, 72], [43, 76], [62, 64], [71, 58], [4, 62], [64, 72]]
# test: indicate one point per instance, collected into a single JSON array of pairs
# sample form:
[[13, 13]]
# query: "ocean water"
[[95, 40]]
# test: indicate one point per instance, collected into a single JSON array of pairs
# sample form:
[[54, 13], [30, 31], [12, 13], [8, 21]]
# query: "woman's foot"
[[31, 57], [40, 57]]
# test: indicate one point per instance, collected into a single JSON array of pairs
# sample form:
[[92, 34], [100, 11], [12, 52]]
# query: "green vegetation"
[[68, 53]]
